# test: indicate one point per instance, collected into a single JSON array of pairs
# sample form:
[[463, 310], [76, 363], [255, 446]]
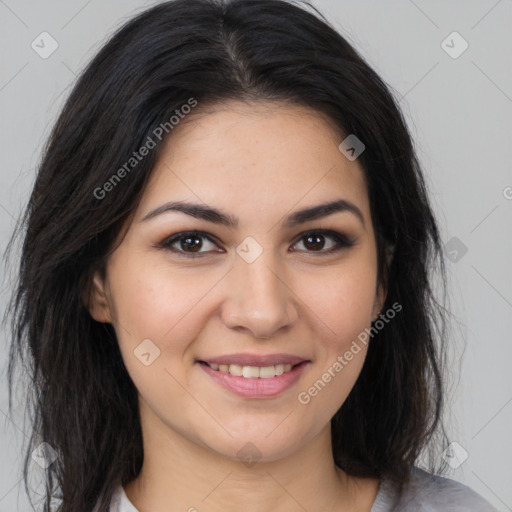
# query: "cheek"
[[342, 305], [167, 308], [342, 301], [153, 302], [152, 305]]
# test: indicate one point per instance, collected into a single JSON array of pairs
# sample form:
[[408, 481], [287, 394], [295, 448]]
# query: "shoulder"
[[119, 502], [431, 493]]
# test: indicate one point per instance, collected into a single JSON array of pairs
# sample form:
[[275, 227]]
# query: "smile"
[[252, 372], [254, 381]]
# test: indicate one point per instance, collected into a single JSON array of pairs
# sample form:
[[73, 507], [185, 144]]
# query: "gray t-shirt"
[[425, 493]]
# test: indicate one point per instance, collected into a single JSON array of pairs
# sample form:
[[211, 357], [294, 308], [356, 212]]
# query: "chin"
[[251, 449]]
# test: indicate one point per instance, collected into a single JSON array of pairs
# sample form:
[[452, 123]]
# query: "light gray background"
[[459, 111]]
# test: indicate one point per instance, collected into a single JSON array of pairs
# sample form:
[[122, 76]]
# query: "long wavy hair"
[[81, 399]]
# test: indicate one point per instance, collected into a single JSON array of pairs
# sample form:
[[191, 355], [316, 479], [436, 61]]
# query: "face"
[[255, 274]]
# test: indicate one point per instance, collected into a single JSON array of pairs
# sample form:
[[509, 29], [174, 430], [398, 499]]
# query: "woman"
[[225, 289]]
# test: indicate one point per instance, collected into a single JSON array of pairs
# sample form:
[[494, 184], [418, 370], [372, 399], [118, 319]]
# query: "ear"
[[381, 295], [97, 302]]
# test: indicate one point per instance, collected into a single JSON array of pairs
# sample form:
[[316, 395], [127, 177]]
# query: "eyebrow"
[[210, 214]]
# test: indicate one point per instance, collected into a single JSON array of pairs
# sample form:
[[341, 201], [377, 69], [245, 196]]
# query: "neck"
[[178, 474]]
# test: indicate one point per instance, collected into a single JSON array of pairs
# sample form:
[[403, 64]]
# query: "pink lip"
[[255, 359], [258, 387]]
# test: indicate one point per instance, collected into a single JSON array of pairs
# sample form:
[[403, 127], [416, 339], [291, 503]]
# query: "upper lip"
[[255, 359]]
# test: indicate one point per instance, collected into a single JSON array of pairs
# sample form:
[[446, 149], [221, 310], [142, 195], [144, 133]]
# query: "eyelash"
[[342, 242]]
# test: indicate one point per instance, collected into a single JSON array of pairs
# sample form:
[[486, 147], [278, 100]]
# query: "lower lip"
[[256, 388]]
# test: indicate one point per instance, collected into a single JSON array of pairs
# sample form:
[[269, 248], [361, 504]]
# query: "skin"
[[258, 162]]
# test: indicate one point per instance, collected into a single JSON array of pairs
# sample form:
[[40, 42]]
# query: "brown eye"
[[314, 242], [193, 244], [318, 241], [190, 243]]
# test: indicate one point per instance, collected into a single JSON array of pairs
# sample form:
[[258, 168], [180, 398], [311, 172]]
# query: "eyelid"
[[171, 240], [342, 241]]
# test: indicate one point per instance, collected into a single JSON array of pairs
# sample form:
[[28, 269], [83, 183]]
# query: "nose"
[[258, 299]]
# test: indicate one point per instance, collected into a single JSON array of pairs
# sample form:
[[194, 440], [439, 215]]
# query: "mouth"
[[252, 372], [255, 382]]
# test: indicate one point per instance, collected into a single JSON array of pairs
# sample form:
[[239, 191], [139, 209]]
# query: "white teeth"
[[266, 372], [252, 372], [236, 370]]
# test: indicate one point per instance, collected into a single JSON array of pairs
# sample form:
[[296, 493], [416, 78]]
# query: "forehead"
[[264, 156]]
